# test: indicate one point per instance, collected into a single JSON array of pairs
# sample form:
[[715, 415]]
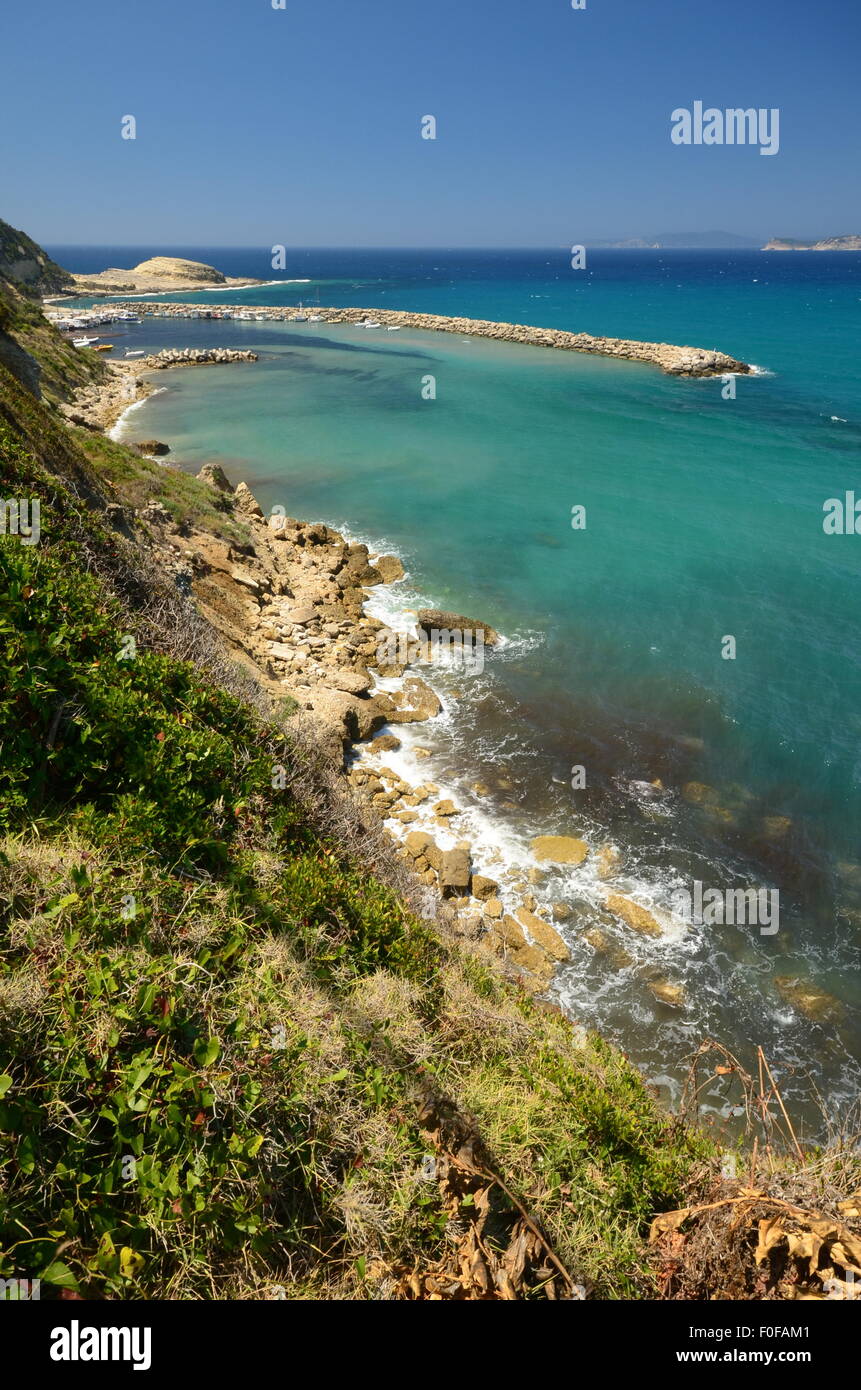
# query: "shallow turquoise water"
[[704, 519]]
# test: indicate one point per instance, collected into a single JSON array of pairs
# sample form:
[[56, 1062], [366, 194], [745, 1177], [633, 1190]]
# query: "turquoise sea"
[[704, 519]]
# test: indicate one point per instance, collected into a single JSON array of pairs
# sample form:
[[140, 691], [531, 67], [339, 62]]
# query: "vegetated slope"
[[32, 348], [24, 262], [232, 1059]]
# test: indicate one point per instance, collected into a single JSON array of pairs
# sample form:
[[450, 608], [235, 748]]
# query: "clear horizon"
[[304, 126]]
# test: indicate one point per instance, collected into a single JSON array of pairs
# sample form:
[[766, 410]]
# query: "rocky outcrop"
[[155, 274], [438, 620]]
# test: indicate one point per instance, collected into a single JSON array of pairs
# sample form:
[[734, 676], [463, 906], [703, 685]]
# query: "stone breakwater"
[[676, 361], [192, 357]]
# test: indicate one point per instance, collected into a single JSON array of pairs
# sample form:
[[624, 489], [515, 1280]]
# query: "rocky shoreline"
[[289, 603], [674, 360], [289, 600], [99, 405]]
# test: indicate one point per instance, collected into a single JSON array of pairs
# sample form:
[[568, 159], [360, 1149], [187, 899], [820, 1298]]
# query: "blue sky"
[[302, 126]]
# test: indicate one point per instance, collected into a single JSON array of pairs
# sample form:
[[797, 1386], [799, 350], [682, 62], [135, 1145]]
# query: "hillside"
[[232, 1056], [834, 243], [30, 347], [243, 1051], [30, 268]]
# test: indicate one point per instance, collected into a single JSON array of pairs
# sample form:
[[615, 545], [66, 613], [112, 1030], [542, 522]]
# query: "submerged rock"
[[811, 1001]]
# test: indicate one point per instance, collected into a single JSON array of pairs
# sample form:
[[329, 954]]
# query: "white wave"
[[118, 430]]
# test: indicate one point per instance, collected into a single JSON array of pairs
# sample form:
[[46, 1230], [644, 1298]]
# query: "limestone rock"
[[414, 702], [484, 888], [385, 743], [454, 868], [666, 992], [436, 619], [634, 914], [246, 502], [214, 476], [544, 935], [559, 849], [389, 567]]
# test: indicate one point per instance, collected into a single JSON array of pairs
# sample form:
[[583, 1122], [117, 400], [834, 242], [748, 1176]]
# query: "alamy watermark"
[[462, 648], [20, 1290], [740, 907], [735, 126], [21, 517]]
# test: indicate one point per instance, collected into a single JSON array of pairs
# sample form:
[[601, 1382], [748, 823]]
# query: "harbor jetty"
[[672, 359]]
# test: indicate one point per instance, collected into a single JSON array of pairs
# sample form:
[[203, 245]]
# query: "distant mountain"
[[833, 243], [678, 241], [706, 240]]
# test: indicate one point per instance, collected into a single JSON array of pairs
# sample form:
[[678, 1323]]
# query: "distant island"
[[683, 241], [833, 243], [158, 274]]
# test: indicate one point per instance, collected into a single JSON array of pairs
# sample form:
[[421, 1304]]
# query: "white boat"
[[369, 323], [84, 342], [315, 318], [393, 328], [138, 352]]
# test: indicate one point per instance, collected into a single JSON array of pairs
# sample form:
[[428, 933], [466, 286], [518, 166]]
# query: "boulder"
[[246, 502], [454, 870], [353, 682], [437, 620], [634, 914], [699, 794], [302, 614], [214, 476], [544, 935], [385, 743], [389, 567], [559, 849], [416, 843], [247, 580], [484, 888], [666, 992], [414, 702]]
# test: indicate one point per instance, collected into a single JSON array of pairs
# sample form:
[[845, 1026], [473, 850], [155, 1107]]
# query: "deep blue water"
[[704, 519]]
